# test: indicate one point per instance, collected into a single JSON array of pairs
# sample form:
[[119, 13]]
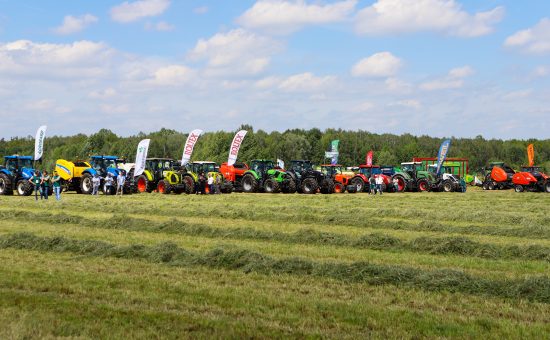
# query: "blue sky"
[[436, 67]]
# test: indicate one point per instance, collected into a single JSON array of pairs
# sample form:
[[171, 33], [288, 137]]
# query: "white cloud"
[[103, 94], [383, 64], [409, 103], [284, 17], [133, 11], [408, 16], [453, 80], [237, 52], [201, 10], [172, 75], [306, 82], [80, 59], [534, 40], [161, 26], [519, 94], [398, 85], [363, 107], [114, 109], [72, 24]]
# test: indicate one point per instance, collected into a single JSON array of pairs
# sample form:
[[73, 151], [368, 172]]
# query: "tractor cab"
[[103, 165], [535, 171], [204, 167], [387, 170], [412, 168], [15, 175], [332, 169], [300, 166], [261, 166], [369, 170], [16, 163]]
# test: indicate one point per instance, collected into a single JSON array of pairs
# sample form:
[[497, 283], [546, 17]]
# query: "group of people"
[[41, 184], [109, 182], [214, 184], [376, 184]]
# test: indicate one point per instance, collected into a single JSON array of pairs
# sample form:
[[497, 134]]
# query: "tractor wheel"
[[519, 188], [164, 187], [309, 186], [547, 186], [24, 188], [352, 189], [5, 185], [226, 187], [423, 185], [271, 186], [339, 188], [485, 186], [491, 185], [327, 186], [401, 183], [249, 183], [86, 186], [189, 184], [289, 186], [358, 183], [143, 184], [447, 186]]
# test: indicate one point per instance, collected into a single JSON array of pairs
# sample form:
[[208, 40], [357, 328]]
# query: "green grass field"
[[255, 265]]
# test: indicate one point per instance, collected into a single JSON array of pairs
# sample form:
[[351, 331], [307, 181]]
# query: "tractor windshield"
[[365, 171], [262, 166], [331, 170], [209, 167], [25, 163], [11, 164]]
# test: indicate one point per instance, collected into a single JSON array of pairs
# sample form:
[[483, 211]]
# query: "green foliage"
[[291, 144]]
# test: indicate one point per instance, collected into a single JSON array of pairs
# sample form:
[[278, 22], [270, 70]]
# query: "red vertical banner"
[[368, 159]]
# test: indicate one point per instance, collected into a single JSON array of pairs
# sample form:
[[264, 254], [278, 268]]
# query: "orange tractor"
[[341, 178]]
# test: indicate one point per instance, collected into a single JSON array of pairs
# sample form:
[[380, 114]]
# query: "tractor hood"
[[27, 173]]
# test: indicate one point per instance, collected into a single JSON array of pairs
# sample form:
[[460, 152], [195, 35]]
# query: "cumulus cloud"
[[161, 26], [132, 11], [284, 17], [408, 103], [79, 59], [73, 24], [408, 16], [534, 40], [237, 52], [453, 80], [382, 64], [306, 82], [172, 75], [103, 94]]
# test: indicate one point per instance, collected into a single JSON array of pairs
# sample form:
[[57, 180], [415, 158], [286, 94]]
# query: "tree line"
[[389, 149]]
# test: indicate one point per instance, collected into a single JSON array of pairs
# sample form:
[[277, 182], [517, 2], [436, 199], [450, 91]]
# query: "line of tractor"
[[168, 176]]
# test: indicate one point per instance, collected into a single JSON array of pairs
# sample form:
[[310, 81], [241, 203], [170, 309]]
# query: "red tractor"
[[531, 178], [361, 178]]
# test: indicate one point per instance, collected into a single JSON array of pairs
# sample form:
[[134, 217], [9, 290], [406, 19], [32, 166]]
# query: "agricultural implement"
[[15, 175], [308, 180], [498, 176], [531, 178], [77, 175], [264, 176], [162, 175], [412, 177], [340, 177], [234, 174], [192, 171]]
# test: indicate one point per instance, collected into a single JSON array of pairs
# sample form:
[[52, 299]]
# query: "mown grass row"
[[429, 225], [378, 241], [535, 288]]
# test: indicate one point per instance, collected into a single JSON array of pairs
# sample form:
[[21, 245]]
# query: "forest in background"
[[389, 149]]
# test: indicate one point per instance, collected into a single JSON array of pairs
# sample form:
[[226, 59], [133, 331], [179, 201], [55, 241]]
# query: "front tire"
[[24, 188], [271, 186], [164, 187], [189, 184], [327, 186], [143, 184], [249, 183], [423, 185], [339, 188], [447, 186], [519, 188], [309, 186], [358, 183]]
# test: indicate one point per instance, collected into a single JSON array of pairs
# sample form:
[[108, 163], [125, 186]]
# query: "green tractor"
[[264, 176], [413, 177], [191, 177], [161, 174]]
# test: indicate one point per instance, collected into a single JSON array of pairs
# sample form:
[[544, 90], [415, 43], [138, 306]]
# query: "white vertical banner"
[[190, 145], [280, 163], [39, 142], [141, 156], [235, 146]]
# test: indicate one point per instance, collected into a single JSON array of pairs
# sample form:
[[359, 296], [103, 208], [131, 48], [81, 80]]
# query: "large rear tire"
[[358, 183], [327, 186], [271, 186], [309, 186], [401, 183], [189, 184], [249, 183], [24, 188], [5, 185], [86, 186], [423, 185], [289, 186]]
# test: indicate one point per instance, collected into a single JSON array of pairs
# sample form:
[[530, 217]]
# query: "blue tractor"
[[15, 175]]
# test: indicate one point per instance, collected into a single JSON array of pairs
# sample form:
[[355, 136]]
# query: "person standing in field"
[[202, 183], [56, 182], [395, 185], [372, 185], [108, 184], [219, 184], [35, 181], [379, 181], [96, 182], [120, 180], [211, 184], [45, 185]]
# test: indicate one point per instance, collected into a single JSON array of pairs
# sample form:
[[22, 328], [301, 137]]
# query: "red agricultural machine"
[[531, 178], [361, 179], [498, 176], [234, 174]]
